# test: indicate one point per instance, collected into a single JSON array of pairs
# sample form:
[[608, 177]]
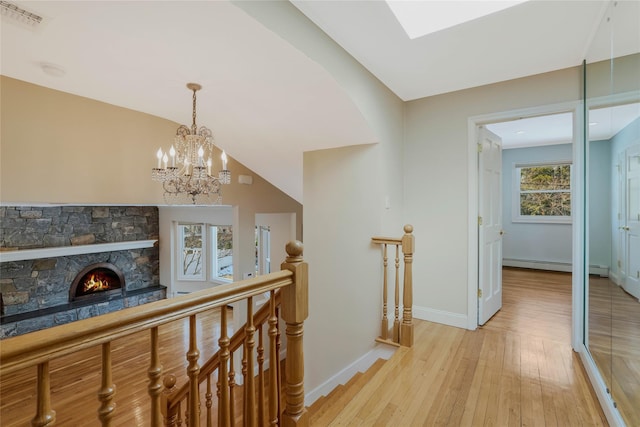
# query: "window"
[[542, 193], [198, 262], [190, 245], [222, 253]]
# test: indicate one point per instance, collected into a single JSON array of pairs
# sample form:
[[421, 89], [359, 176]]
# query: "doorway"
[[538, 144]]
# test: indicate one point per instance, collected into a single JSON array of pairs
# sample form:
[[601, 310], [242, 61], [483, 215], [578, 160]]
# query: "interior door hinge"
[[479, 220], [479, 148], [479, 293]]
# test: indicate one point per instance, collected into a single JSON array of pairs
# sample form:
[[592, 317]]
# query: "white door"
[[264, 249], [489, 225], [631, 247]]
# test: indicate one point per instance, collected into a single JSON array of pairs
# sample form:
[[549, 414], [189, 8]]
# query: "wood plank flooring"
[[517, 370], [614, 343], [75, 379]]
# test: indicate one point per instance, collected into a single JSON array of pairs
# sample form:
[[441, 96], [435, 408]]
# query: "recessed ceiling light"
[[593, 123], [419, 18], [520, 132]]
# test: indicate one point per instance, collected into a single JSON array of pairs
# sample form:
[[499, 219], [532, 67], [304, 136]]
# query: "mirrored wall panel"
[[612, 147]]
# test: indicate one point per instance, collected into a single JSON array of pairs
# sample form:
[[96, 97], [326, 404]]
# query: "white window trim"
[[516, 217]]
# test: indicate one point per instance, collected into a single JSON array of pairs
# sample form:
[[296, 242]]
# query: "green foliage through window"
[[545, 190]]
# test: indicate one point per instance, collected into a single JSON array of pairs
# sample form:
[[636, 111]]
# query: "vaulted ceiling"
[[265, 101]]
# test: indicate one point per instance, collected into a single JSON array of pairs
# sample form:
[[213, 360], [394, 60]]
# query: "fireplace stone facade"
[[35, 292]]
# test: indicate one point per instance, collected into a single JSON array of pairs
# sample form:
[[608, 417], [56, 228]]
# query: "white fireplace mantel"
[[26, 254]]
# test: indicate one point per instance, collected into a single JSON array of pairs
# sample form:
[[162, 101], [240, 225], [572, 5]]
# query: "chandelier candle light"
[[191, 181]]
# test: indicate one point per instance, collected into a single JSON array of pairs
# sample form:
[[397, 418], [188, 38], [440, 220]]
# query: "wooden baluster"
[[406, 331], [249, 381], [209, 402], [193, 370], [155, 384], [224, 419], [171, 415], [179, 422], [274, 392], [384, 329], [278, 346], [232, 394], [295, 309], [108, 389], [396, 319], [44, 414], [260, 377]]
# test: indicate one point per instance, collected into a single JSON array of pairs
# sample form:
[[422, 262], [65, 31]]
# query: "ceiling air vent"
[[19, 15]]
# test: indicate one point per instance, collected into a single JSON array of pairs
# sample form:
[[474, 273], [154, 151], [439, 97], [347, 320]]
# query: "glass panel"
[[612, 89], [545, 204], [223, 253], [191, 251]]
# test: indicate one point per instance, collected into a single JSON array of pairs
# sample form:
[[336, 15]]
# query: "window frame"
[[209, 255], [517, 217]]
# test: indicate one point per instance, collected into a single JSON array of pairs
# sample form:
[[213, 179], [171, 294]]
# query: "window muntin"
[[542, 193]]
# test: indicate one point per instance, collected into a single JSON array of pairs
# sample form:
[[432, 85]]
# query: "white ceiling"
[[552, 129], [265, 101], [529, 38]]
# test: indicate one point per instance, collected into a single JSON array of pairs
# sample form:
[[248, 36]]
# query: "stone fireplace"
[[97, 282], [59, 264]]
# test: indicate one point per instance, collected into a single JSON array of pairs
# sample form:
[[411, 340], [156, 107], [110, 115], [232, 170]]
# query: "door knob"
[[501, 232]]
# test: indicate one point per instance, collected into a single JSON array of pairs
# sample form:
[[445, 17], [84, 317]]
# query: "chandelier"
[[185, 170]]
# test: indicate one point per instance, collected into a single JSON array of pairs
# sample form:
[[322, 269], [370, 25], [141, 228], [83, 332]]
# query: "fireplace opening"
[[97, 281]]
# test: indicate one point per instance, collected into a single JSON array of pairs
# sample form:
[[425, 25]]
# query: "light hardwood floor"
[[614, 343], [518, 370]]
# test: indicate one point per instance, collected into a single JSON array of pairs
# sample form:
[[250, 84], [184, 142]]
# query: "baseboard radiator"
[[598, 270]]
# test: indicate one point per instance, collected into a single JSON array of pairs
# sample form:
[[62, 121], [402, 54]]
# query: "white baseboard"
[[439, 316], [379, 351], [599, 270], [537, 265]]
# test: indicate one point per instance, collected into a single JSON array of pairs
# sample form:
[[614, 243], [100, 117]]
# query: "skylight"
[[421, 17]]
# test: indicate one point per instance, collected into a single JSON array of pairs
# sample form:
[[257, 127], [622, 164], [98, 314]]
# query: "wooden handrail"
[[402, 331], [36, 349], [41, 346]]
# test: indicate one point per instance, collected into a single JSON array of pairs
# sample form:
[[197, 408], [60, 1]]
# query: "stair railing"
[[37, 349], [401, 331], [218, 366]]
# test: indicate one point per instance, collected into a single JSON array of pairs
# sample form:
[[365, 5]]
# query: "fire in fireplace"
[[101, 280]]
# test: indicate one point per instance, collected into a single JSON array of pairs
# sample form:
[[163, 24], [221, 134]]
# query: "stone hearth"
[[35, 292]]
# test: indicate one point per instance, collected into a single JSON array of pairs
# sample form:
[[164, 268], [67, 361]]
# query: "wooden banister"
[[40, 346], [402, 332], [171, 405]]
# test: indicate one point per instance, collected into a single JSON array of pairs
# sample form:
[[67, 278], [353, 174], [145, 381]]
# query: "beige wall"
[[437, 179], [60, 148]]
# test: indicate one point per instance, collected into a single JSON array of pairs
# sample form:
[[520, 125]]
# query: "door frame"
[[577, 203]]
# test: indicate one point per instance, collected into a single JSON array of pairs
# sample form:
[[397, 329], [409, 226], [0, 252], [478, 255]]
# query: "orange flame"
[[96, 284]]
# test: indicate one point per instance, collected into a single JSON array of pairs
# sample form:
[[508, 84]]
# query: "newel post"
[[295, 309], [406, 328]]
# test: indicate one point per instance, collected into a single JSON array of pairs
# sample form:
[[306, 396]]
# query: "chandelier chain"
[[194, 128]]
